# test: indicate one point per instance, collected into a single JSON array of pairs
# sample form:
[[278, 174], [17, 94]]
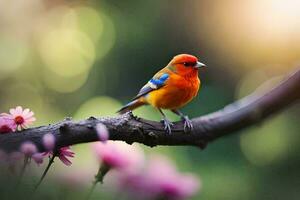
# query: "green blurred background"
[[81, 58]]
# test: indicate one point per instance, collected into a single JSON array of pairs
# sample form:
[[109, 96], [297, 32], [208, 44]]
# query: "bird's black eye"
[[189, 64]]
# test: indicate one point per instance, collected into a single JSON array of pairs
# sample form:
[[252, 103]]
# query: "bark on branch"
[[236, 116]]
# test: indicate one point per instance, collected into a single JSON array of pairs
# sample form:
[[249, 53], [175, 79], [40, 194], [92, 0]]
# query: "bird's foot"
[[167, 125], [188, 126]]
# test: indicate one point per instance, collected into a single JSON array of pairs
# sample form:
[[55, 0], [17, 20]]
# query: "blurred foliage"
[[82, 58]]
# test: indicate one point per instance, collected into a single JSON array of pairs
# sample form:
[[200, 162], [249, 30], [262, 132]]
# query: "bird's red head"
[[185, 64]]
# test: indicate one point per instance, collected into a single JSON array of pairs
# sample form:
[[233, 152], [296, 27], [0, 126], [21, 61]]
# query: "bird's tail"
[[131, 106]]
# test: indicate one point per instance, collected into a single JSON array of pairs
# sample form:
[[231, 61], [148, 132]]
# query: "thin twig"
[[91, 190], [51, 161], [102, 171], [25, 163]]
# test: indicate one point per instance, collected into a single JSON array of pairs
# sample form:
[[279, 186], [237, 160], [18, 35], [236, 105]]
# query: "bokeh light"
[[251, 32], [98, 106], [225, 180], [64, 84], [267, 144], [277, 19], [90, 22], [13, 53], [67, 52]]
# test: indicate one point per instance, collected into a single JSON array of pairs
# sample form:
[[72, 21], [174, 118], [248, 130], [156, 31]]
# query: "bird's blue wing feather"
[[155, 83]]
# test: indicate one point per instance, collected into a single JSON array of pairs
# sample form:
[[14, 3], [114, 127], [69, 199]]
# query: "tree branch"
[[236, 116]]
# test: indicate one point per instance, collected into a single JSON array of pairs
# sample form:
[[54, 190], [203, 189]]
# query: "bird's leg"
[[167, 123], [188, 126]]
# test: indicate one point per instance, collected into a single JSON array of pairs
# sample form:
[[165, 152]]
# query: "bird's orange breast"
[[177, 92]]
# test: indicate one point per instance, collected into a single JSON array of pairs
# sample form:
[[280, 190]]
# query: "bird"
[[170, 88]]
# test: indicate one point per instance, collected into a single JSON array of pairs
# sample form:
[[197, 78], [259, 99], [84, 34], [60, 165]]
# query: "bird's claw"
[[167, 125], [188, 126]]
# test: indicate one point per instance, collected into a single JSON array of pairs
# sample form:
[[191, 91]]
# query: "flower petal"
[[38, 158], [19, 108], [26, 111], [30, 114], [12, 111], [65, 160]]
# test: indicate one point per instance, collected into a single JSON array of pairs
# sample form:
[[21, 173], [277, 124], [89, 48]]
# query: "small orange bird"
[[170, 88]]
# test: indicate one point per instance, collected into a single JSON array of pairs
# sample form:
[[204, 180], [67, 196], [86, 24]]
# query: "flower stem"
[[26, 161], [51, 161], [102, 171], [91, 190]]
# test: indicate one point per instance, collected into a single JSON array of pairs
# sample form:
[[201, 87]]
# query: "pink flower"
[[63, 154], [28, 148], [7, 124], [170, 183], [119, 155], [49, 141], [102, 132], [134, 184], [22, 118], [160, 180], [38, 158]]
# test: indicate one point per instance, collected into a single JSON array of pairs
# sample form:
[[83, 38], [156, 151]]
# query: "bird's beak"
[[199, 65]]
